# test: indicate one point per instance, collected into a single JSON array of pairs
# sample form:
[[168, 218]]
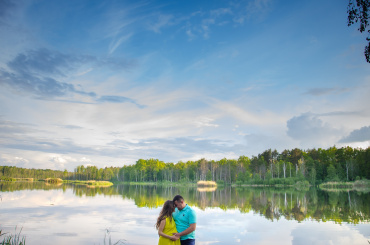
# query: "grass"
[[7, 179], [90, 183], [358, 185], [162, 183], [15, 239], [99, 183], [18, 239], [336, 185], [108, 236], [53, 180]]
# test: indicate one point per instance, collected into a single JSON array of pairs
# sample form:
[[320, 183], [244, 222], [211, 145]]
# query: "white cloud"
[[310, 130], [357, 135], [205, 122], [9, 160], [85, 160]]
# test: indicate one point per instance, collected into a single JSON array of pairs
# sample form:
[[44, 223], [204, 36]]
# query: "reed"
[[109, 242], [206, 183], [90, 183], [16, 239], [339, 185], [99, 183], [207, 189], [54, 180]]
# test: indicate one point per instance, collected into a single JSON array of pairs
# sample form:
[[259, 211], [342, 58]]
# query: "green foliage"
[[359, 11], [268, 168], [238, 182], [220, 182]]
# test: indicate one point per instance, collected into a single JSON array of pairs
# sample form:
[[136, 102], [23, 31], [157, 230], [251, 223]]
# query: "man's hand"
[[176, 234]]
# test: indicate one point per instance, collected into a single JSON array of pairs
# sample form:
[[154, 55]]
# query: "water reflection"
[[271, 203]]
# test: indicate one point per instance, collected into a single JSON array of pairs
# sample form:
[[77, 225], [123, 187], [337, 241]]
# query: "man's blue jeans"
[[188, 242]]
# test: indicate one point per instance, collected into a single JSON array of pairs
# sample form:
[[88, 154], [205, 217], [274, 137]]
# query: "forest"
[[269, 167]]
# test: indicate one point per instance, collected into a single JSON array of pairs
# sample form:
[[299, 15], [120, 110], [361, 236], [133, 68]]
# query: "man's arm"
[[191, 228]]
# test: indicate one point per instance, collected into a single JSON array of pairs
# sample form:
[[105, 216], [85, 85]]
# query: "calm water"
[[69, 214]]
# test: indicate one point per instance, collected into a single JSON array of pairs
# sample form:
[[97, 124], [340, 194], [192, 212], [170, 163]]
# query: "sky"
[[106, 83]]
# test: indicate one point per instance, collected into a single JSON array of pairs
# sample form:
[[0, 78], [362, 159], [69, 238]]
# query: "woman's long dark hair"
[[166, 211]]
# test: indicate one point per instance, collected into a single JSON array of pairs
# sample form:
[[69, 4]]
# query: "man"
[[186, 221]]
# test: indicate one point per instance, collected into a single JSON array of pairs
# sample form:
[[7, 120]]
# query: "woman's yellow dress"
[[169, 229]]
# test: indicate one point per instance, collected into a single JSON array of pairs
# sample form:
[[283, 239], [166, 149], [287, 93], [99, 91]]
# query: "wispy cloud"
[[117, 42], [39, 73], [251, 10], [118, 99], [259, 8], [220, 11], [162, 21], [325, 91]]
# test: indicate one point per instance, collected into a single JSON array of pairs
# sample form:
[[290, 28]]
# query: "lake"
[[69, 214]]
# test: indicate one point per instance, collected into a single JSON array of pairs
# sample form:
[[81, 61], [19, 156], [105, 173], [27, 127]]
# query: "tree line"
[[269, 167], [314, 165]]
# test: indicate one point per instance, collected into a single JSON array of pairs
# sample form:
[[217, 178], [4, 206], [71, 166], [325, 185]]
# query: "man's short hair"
[[178, 198]]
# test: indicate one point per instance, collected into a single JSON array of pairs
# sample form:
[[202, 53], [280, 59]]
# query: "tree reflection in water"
[[271, 203]]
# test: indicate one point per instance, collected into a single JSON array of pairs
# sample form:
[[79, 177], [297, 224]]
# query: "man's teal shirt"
[[183, 218]]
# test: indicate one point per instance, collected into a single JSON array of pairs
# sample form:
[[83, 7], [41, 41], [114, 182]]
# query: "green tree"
[[332, 173]]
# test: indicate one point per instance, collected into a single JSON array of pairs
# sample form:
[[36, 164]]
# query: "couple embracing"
[[176, 223]]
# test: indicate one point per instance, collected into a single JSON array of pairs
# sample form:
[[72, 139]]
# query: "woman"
[[166, 225]]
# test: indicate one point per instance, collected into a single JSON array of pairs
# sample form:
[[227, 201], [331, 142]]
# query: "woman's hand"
[[174, 238]]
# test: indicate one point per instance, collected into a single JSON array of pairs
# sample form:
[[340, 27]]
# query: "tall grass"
[[90, 183], [109, 241], [206, 183], [11, 239], [338, 185], [100, 183], [54, 180]]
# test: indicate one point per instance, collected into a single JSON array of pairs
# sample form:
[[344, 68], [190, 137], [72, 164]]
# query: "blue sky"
[[109, 82]]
